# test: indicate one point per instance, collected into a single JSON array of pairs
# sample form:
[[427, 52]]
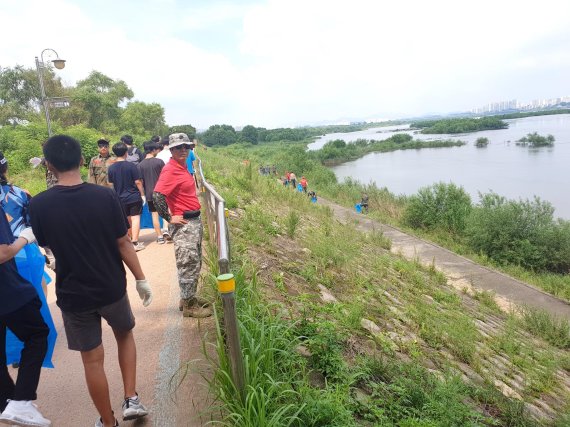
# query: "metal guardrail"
[[215, 207], [217, 224]]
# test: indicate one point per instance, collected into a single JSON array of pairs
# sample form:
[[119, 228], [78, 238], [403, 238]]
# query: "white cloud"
[[303, 61]]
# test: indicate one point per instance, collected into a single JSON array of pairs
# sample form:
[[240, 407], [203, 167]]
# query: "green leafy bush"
[[443, 206], [536, 140], [482, 142], [520, 232]]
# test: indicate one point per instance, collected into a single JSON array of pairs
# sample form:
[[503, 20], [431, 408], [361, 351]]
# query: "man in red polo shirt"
[[175, 200]]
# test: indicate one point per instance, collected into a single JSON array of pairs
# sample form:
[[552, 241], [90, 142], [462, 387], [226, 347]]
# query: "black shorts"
[[133, 209], [83, 330], [151, 207]]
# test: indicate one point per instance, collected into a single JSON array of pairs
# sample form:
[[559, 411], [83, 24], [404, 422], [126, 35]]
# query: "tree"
[[187, 129], [141, 118], [249, 134], [100, 96], [219, 135]]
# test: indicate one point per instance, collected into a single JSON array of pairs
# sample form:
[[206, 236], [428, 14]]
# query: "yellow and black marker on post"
[[227, 287]]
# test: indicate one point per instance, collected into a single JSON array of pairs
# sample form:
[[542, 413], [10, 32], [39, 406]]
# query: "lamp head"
[[59, 63]]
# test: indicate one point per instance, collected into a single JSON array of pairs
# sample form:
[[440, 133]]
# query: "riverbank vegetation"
[[459, 125], [481, 142], [525, 227], [338, 151], [223, 135], [535, 140], [338, 331]]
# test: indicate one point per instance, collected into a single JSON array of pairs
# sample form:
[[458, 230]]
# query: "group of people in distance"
[[302, 186], [91, 230]]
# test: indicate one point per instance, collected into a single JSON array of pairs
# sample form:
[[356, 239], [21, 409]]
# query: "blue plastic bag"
[[358, 208], [30, 263], [146, 218]]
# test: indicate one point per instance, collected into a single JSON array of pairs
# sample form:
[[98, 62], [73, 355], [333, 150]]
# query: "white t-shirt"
[[164, 155]]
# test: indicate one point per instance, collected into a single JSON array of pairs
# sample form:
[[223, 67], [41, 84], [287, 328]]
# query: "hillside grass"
[[383, 206], [398, 347]]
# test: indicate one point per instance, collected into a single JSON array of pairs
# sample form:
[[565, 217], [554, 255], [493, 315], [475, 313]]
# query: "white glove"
[[143, 288], [28, 234], [144, 200], [35, 162]]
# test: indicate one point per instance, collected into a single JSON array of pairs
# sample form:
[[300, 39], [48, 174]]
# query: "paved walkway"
[[461, 271], [165, 342]]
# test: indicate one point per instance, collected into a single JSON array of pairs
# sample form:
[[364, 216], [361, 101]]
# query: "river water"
[[503, 167]]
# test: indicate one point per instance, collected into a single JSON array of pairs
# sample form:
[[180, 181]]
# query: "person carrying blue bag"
[[20, 312], [29, 261]]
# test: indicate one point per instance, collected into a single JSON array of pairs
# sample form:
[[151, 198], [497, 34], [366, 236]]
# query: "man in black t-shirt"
[[20, 312], [126, 180], [150, 169], [86, 228]]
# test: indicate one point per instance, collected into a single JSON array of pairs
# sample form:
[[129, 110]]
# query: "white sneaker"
[[138, 246], [23, 413], [133, 408], [166, 235], [99, 423]]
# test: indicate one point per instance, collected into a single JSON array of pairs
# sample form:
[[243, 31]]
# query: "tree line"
[[459, 125], [97, 102]]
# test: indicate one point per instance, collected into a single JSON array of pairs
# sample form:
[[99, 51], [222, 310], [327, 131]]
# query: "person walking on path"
[[134, 155], [29, 261], [91, 247], [150, 169], [98, 166], [20, 312], [127, 181], [293, 180], [304, 184], [165, 154], [175, 199]]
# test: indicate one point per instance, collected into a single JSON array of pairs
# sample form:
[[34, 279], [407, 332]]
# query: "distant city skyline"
[[513, 104]]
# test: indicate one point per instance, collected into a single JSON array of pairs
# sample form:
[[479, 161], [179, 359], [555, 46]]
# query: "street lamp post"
[[59, 64]]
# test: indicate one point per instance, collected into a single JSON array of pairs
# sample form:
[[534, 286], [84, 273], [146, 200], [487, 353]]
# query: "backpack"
[[133, 155]]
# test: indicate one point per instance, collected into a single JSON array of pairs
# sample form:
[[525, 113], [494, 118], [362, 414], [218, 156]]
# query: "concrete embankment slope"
[[460, 271]]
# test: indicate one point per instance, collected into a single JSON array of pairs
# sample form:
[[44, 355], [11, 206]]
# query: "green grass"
[[552, 329], [337, 382]]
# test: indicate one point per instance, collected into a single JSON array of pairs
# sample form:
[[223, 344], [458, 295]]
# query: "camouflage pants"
[[188, 252]]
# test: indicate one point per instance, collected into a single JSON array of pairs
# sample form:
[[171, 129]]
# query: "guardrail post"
[[226, 287]]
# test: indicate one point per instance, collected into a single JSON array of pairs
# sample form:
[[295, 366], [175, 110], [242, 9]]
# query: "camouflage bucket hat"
[[177, 139]]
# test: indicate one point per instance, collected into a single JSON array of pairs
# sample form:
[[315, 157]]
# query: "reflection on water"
[[503, 167]]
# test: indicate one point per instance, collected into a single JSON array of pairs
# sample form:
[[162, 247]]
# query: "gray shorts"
[[83, 330]]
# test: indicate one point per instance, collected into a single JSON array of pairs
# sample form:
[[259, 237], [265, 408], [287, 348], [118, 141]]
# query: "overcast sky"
[[293, 62]]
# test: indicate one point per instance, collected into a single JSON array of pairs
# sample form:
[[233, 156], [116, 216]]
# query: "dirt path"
[[165, 342], [461, 271]]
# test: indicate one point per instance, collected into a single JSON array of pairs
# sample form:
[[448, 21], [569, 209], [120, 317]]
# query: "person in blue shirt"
[[191, 158], [20, 312]]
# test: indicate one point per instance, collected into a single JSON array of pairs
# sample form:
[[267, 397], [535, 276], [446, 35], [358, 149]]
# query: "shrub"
[[536, 140], [292, 221], [519, 232], [441, 205], [482, 142]]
